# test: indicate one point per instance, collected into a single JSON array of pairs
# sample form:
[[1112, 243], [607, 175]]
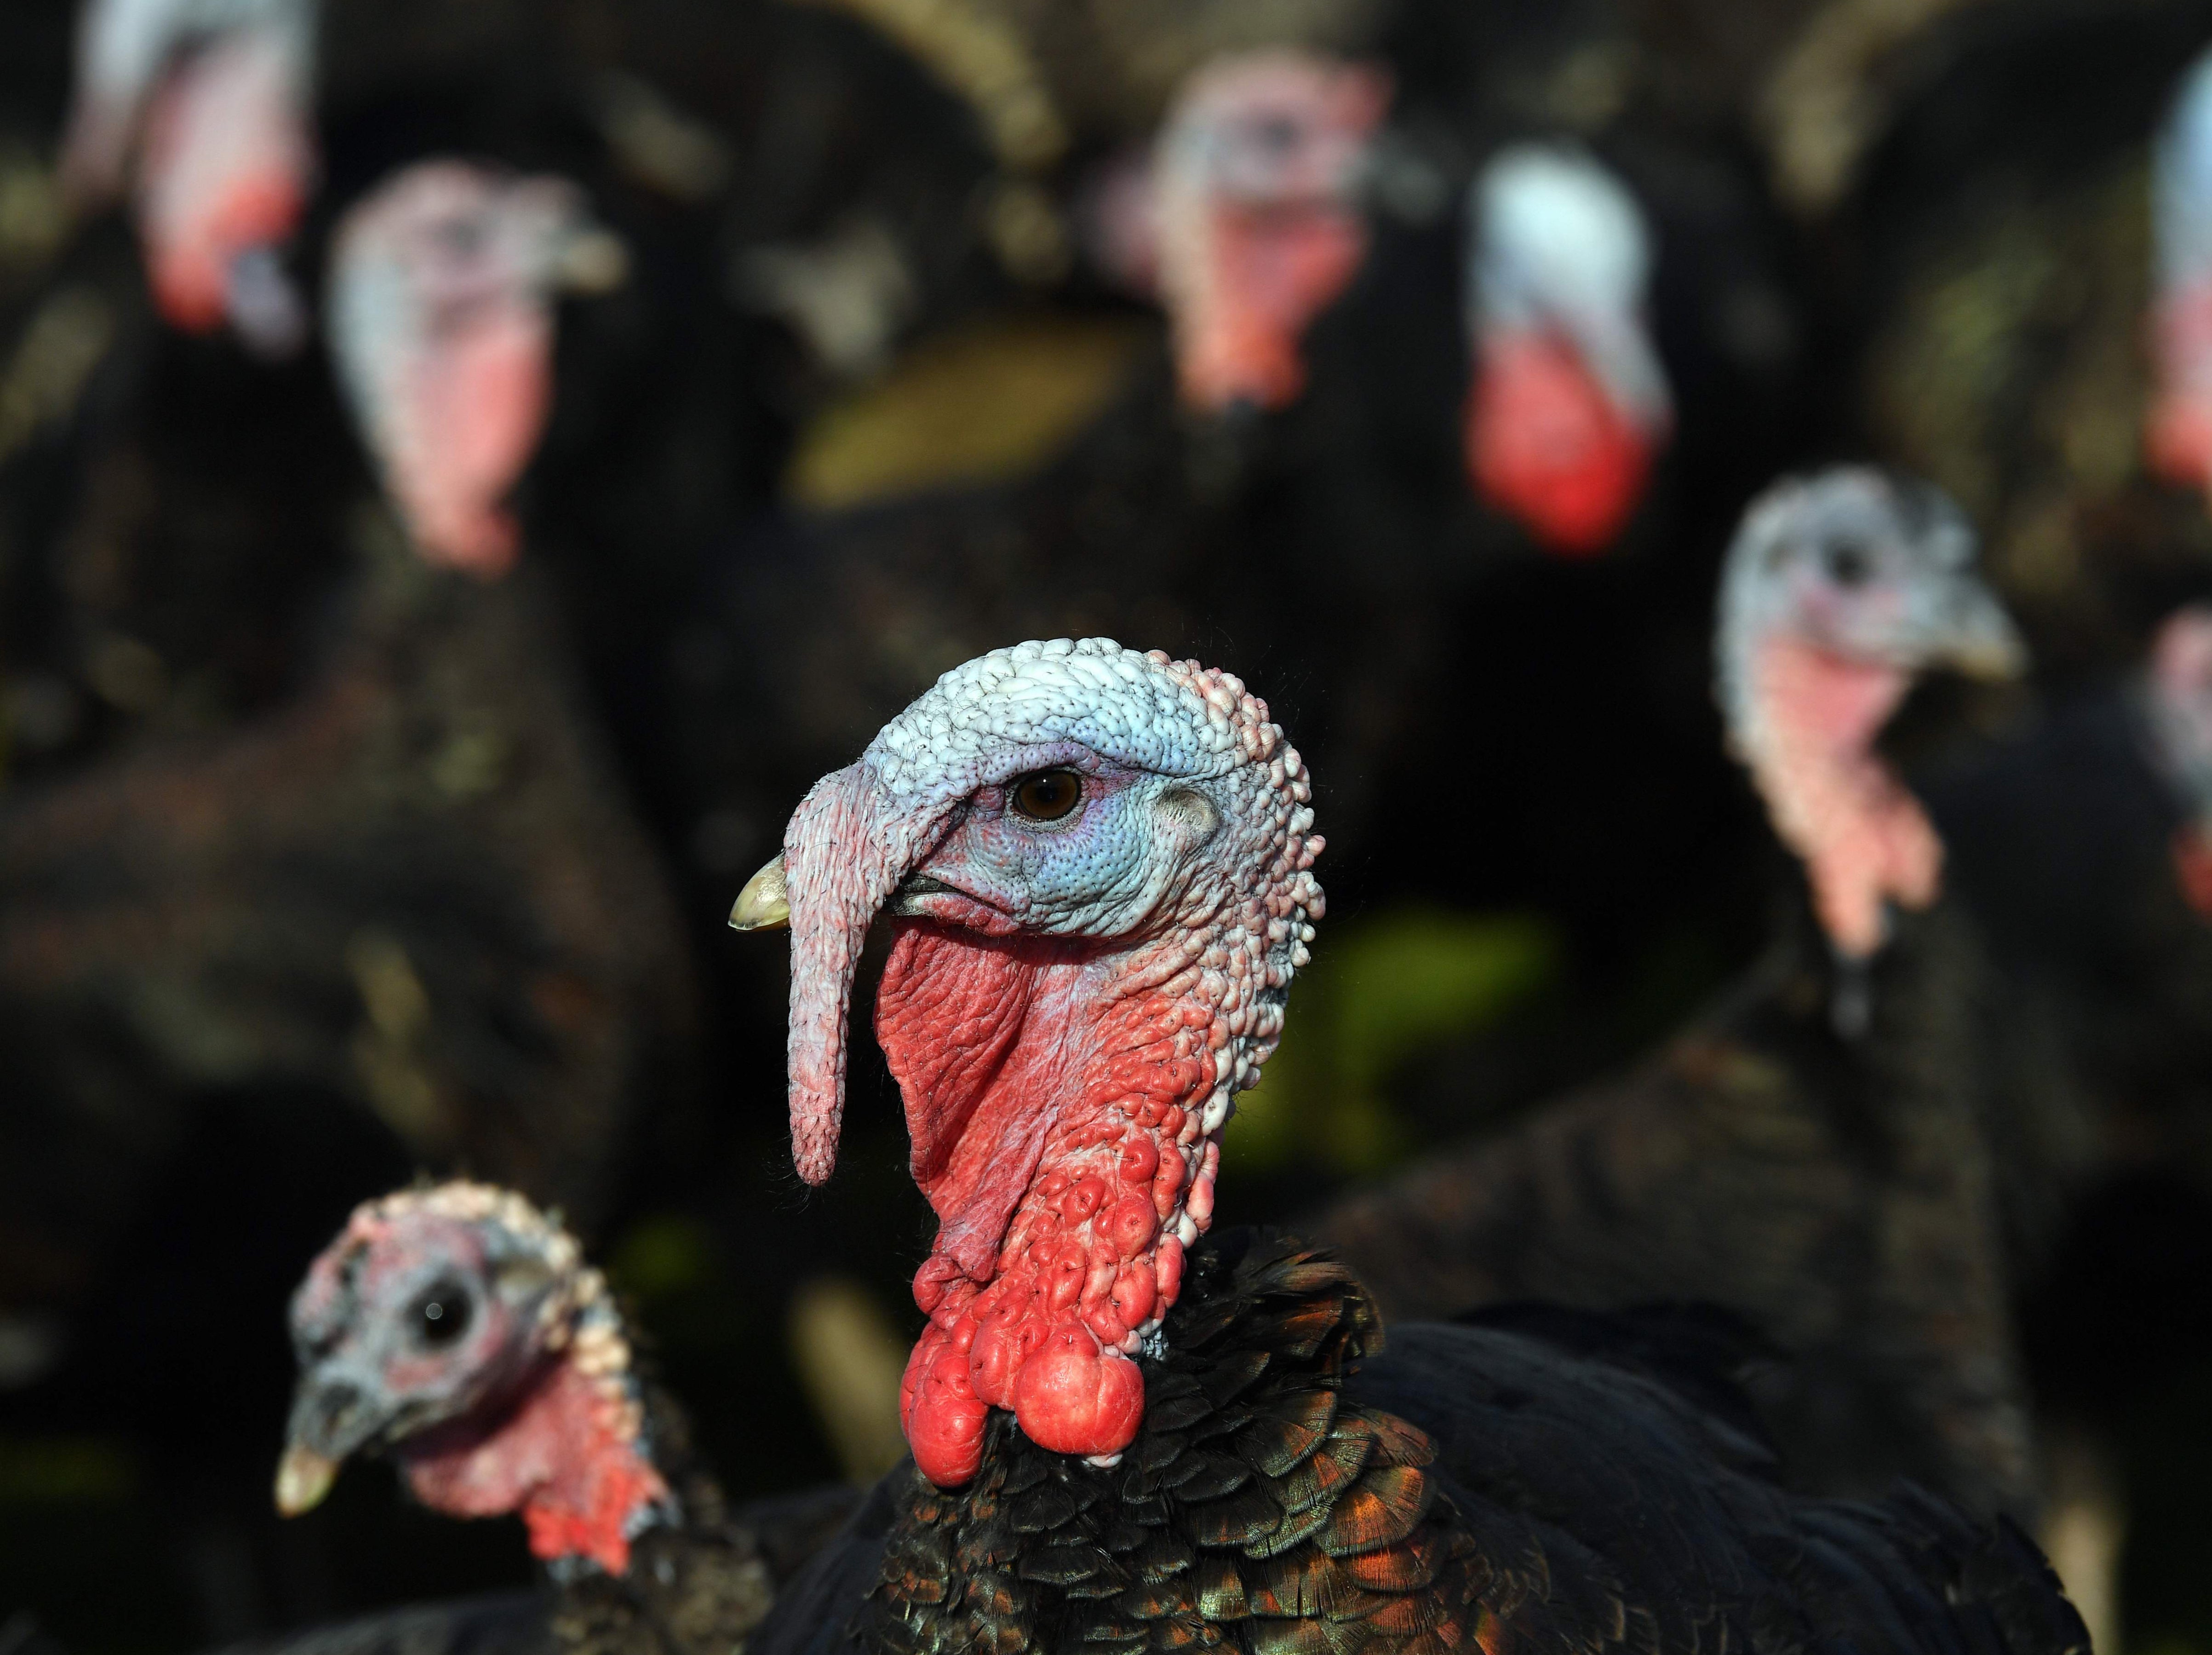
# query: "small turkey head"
[[458, 1329], [1569, 403], [1838, 591], [2177, 700], [441, 315], [1099, 864], [2177, 434], [1255, 184], [216, 97]]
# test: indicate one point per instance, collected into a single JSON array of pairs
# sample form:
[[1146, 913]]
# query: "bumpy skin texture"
[[1842, 1188], [1295, 1488], [532, 1405], [441, 319], [1258, 227], [1069, 1007]]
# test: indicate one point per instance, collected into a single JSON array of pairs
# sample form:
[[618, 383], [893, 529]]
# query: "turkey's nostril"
[[337, 1407]]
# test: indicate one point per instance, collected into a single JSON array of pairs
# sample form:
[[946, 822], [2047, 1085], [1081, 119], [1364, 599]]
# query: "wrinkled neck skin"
[[1065, 1100], [1809, 737], [569, 1456]]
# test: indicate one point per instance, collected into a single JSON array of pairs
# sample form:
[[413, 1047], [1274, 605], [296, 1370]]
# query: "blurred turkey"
[[415, 884], [2020, 265], [1125, 1436], [202, 109], [1815, 1152], [457, 1330]]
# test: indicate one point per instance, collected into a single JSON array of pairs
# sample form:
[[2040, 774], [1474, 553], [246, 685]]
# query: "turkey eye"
[[1046, 796], [442, 1314], [1849, 565]]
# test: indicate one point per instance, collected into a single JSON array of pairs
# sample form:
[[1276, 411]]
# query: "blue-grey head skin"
[[1186, 788], [1864, 564]]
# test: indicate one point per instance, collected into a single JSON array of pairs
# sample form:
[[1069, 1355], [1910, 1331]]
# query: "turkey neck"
[[1063, 1102], [571, 1454], [1864, 840]]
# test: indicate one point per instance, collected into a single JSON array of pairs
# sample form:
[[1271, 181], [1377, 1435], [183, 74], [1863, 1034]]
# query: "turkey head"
[[458, 1329], [212, 100], [1838, 591], [1098, 865], [1569, 403], [1256, 223], [441, 295]]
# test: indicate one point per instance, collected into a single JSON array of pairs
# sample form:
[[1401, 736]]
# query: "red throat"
[[2178, 435], [1056, 1130], [1865, 840], [568, 1459], [1546, 444], [1262, 277]]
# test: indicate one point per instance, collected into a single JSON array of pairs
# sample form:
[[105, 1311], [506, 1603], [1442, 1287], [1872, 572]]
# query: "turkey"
[[203, 109], [415, 885], [1098, 865], [1816, 1150], [456, 1328]]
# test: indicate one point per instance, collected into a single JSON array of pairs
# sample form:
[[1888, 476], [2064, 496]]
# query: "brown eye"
[[1046, 796]]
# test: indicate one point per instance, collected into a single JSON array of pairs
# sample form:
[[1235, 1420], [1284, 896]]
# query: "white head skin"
[[1570, 401], [441, 315], [1838, 591]]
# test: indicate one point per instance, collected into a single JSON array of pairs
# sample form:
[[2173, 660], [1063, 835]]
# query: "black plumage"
[[1297, 1486]]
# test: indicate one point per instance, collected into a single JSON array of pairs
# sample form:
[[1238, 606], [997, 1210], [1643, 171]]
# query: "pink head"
[[1255, 182], [441, 294], [216, 97], [1097, 862], [1838, 591], [1569, 403], [2177, 697], [458, 1329], [2177, 434]]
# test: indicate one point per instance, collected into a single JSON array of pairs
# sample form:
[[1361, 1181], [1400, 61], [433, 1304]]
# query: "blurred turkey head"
[[1098, 867], [1840, 591], [213, 100], [440, 312], [457, 1329], [2178, 434], [1254, 216], [2177, 700], [1569, 403]]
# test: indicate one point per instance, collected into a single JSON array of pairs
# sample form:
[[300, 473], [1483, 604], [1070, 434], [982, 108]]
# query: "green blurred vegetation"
[[1387, 989]]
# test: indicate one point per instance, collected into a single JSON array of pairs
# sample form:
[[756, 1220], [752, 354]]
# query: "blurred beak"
[[1977, 637], [332, 1417], [593, 262], [763, 904], [303, 1478]]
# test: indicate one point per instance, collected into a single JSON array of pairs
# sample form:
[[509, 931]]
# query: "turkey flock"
[[555, 554]]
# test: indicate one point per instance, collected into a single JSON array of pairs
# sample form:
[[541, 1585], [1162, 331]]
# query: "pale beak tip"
[[764, 904], [303, 1478]]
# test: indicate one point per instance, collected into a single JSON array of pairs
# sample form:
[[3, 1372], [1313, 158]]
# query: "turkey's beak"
[[333, 1417], [303, 1478], [1976, 636], [848, 847], [762, 905]]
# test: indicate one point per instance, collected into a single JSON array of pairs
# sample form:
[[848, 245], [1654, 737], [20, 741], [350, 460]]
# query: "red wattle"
[[1546, 444], [1269, 275], [2192, 868], [1051, 1134]]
